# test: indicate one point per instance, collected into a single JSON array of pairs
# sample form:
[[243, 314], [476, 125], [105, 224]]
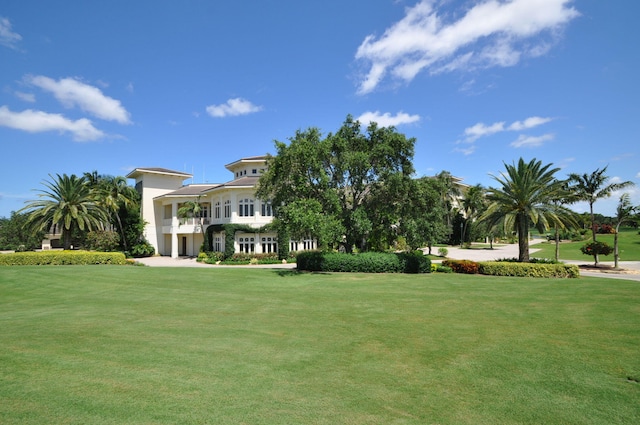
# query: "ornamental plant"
[[596, 248]]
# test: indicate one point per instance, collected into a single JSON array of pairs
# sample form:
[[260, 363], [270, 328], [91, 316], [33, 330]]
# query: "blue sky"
[[194, 85]]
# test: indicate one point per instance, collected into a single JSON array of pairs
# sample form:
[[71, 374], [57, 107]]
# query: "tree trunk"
[[557, 237], [615, 248], [523, 239], [593, 231]]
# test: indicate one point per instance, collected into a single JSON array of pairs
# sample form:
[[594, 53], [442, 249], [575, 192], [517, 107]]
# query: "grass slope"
[[111, 345]]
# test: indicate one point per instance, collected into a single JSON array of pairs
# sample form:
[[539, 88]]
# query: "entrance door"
[[183, 247]]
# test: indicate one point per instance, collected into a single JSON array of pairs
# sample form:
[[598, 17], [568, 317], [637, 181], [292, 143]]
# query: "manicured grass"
[[628, 244], [137, 345]]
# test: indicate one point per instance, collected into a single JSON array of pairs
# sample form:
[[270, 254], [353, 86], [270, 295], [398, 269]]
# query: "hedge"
[[495, 268], [462, 266], [368, 262], [58, 258]]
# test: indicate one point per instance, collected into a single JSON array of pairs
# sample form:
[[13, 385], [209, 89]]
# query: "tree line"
[[352, 190], [93, 210]]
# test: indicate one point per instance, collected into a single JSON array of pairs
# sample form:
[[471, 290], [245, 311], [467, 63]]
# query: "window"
[[269, 245], [227, 208], [245, 208], [216, 210], [217, 244], [247, 245], [267, 210], [254, 171]]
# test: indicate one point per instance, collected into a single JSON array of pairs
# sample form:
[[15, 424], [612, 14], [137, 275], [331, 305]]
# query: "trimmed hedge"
[[59, 258], [495, 268], [368, 262]]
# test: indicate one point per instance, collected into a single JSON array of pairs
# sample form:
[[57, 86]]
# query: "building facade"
[[163, 194]]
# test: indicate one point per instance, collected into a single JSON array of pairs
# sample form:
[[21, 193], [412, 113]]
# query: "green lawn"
[[139, 345], [628, 244]]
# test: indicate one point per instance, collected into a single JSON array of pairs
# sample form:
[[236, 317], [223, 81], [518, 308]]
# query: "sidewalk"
[[630, 269]]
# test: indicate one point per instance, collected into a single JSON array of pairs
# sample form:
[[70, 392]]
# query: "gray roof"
[[157, 170], [192, 190]]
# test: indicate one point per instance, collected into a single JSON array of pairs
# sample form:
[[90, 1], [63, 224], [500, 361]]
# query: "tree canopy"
[[345, 188]]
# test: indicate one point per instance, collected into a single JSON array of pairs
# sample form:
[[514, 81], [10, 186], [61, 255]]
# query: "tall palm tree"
[[591, 187], [624, 212], [526, 196], [111, 194], [472, 205], [67, 202], [450, 195]]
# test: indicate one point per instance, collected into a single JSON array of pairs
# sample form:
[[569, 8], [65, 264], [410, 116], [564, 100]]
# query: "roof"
[[191, 190], [248, 181], [260, 158], [157, 170]]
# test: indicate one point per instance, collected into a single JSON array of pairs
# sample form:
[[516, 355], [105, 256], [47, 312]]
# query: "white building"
[[234, 202]]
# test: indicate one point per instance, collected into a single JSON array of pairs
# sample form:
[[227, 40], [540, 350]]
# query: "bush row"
[[58, 258], [502, 268], [214, 257], [367, 262]]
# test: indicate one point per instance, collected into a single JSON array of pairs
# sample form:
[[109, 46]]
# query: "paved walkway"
[[630, 269]]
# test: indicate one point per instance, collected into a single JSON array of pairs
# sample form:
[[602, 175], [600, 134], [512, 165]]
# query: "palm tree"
[[68, 203], [624, 212], [526, 196], [450, 194], [472, 205], [591, 187], [112, 193], [564, 197]]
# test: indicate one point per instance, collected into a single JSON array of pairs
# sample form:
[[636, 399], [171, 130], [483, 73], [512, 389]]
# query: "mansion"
[[163, 193]]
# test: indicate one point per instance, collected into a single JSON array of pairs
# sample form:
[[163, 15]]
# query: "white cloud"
[[38, 122], [490, 33], [466, 151], [386, 119], [71, 93], [531, 141], [529, 123], [233, 107], [479, 130], [8, 38], [638, 175], [27, 97]]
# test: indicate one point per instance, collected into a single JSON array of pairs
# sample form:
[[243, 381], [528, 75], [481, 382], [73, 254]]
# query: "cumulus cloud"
[[233, 107], [479, 130], [386, 119], [531, 141], [490, 33], [8, 38], [73, 93], [38, 122]]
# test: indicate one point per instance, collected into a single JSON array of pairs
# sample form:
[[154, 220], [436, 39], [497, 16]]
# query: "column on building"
[[174, 229]]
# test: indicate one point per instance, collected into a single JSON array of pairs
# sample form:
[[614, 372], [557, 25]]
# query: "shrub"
[[443, 252], [57, 258], [142, 249], [596, 248], [544, 270], [462, 266], [103, 240], [367, 262]]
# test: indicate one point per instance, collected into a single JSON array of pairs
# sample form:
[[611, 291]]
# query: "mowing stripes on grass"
[[222, 346]]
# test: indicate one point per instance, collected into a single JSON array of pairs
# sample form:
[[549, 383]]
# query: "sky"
[[194, 85]]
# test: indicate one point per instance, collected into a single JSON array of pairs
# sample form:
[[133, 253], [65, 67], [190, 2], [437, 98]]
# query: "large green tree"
[[344, 173], [526, 195], [67, 202], [15, 234], [421, 221]]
